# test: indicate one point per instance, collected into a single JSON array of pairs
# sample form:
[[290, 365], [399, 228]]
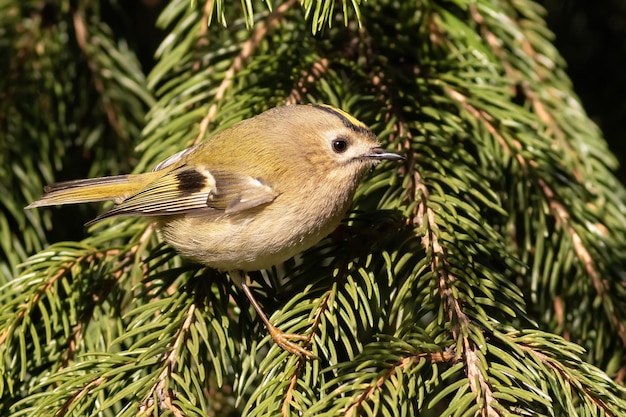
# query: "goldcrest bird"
[[250, 196]]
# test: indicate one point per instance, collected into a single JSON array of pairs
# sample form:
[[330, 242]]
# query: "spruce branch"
[[78, 396], [160, 388], [63, 72], [80, 30], [462, 326], [402, 365], [590, 385], [247, 49], [308, 77], [465, 281], [320, 311]]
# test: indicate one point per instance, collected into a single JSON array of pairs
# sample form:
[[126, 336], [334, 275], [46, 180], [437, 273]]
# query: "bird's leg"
[[282, 339]]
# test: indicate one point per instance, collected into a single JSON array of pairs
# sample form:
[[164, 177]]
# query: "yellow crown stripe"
[[348, 119]]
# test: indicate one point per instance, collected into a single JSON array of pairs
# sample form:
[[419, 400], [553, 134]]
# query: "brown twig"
[[425, 218], [293, 379], [78, 395], [165, 394], [401, 365], [574, 383]]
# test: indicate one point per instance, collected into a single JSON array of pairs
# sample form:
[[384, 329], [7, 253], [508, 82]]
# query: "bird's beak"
[[379, 154]]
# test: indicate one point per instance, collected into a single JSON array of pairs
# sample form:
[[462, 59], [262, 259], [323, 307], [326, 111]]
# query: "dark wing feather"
[[187, 189]]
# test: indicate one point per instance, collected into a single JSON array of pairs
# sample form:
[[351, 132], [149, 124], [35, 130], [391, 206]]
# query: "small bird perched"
[[249, 197]]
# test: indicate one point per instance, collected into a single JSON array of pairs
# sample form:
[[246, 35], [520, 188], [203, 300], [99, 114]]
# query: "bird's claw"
[[285, 342]]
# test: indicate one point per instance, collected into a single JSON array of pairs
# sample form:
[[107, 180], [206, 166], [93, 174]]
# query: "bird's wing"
[[174, 158], [189, 189]]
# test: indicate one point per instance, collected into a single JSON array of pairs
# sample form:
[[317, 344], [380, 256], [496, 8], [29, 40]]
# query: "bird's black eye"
[[340, 145]]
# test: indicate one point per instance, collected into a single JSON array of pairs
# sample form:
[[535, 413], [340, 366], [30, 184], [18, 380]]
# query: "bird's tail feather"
[[88, 190]]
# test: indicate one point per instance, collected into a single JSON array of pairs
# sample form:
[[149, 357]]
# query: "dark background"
[[591, 36]]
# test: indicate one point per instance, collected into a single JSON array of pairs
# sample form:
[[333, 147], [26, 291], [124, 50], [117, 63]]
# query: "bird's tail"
[[88, 190]]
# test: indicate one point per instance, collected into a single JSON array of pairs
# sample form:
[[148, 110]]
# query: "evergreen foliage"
[[483, 276]]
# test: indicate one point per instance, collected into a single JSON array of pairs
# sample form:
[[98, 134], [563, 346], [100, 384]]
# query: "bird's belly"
[[247, 243]]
